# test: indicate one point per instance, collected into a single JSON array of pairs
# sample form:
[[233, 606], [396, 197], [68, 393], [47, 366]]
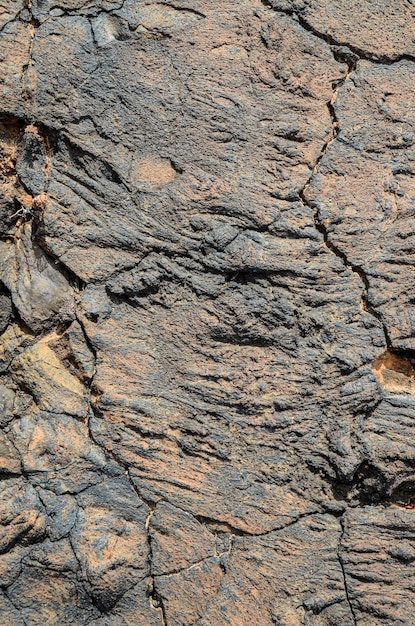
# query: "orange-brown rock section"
[[207, 353]]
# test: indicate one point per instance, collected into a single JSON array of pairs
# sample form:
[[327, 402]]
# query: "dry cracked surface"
[[207, 352]]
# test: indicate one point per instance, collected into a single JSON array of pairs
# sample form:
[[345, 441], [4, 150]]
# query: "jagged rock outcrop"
[[207, 332]]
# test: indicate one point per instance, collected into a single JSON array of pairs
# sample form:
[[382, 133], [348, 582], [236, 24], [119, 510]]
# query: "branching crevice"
[[356, 269], [320, 223]]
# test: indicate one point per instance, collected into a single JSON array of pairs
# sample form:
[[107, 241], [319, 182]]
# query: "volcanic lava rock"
[[207, 352]]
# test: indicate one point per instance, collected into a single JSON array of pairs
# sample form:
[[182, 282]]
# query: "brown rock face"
[[207, 351]]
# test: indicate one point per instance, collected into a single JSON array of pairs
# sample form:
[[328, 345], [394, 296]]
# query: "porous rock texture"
[[207, 312]]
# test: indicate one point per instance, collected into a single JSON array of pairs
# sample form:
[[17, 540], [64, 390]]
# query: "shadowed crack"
[[339, 555], [320, 226], [319, 222], [155, 599], [237, 532], [342, 52], [185, 9], [19, 612], [331, 41], [32, 25], [221, 556]]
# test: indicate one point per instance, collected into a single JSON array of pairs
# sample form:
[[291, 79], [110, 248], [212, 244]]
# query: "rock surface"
[[207, 355]]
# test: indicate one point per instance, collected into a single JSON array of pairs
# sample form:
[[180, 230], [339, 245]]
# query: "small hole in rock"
[[395, 370]]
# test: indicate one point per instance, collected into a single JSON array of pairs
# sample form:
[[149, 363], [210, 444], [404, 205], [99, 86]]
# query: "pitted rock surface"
[[207, 352]]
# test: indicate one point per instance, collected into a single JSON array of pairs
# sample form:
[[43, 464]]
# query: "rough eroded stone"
[[206, 313]]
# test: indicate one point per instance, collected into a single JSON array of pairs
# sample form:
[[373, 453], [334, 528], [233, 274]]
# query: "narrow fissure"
[[344, 46], [346, 53], [19, 612], [343, 570], [31, 24], [156, 601], [319, 223]]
